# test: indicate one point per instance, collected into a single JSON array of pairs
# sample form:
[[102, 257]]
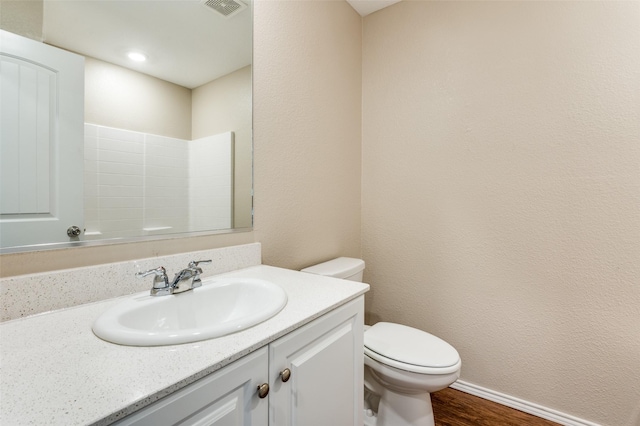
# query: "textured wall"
[[22, 17], [501, 192], [307, 97]]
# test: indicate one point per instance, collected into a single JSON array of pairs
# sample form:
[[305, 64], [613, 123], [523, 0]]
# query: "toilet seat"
[[410, 349]]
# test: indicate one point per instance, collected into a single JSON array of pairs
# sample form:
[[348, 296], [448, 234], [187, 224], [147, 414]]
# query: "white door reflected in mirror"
[[41, 143]]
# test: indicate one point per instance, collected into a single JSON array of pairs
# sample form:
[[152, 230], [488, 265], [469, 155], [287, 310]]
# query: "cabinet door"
[[227, 397], [325, 359]]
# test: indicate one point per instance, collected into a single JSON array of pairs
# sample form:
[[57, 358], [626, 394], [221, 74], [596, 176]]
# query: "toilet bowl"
[[403, 365]]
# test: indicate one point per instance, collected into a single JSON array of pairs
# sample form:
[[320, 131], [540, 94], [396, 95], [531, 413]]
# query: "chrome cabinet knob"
[[263, 390], [285, 375]]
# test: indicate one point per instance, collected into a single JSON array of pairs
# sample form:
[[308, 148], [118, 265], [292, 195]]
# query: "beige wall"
[[224, 105], [126, 99], [501, 192], [307, 103], [22, 17]]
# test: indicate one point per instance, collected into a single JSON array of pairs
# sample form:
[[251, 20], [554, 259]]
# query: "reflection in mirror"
[[165, 141]]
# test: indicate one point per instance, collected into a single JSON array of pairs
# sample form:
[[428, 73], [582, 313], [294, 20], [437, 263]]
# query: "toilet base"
[[398, 409], [405, 409], [370, 418]]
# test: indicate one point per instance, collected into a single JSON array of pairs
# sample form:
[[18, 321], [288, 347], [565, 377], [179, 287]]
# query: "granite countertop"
[[55, 371]]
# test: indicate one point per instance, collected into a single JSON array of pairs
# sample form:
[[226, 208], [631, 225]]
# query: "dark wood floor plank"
[[456, 408]]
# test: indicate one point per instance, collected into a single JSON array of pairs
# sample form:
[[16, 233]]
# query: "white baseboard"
[[522, 405]]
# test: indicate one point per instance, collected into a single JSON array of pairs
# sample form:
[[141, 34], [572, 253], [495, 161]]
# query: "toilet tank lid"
[[342, 267]]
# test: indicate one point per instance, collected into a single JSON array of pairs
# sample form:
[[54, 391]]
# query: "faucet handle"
[[158, 272], [195, 263], [160, 280], [197, 282]]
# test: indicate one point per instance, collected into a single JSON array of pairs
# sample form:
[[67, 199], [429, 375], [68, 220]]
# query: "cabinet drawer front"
[[325, 360], [225, 398]]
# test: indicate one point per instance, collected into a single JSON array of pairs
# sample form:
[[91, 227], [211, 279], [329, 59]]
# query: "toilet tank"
[[347, 268]]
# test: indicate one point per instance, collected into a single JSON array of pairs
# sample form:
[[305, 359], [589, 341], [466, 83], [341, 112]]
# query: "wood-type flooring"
[[455, 408]]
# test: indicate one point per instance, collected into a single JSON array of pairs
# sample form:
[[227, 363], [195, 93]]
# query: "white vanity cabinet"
[[325, 364], [322, 363], [227, 397]]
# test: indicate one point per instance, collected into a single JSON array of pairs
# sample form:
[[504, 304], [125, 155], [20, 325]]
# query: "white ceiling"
[[366, 7], [186, 42]]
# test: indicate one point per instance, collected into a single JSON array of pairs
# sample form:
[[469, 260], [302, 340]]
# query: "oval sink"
[[217, 308]]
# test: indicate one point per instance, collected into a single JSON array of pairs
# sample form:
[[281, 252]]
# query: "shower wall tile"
[[105, 155], [139, 182], [120, 177], [166, 191], [91, 203], [122, 169], [122, 190], [113, 180]]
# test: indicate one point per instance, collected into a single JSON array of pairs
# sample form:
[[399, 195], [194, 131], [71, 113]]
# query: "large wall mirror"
[[124, 120]]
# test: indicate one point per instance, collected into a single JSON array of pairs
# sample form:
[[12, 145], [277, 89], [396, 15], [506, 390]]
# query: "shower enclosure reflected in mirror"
[[165, 142]]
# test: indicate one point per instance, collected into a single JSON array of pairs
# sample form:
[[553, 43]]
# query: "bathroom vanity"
[[303, 366], [311, 376]]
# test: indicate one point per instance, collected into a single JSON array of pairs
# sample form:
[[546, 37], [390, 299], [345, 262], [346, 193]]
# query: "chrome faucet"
[[192, 272], [180, 283]]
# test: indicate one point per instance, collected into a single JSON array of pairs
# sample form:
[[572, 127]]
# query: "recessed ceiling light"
[[137, 56]]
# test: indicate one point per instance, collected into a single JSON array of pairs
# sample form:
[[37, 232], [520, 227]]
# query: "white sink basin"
[[219, 307]]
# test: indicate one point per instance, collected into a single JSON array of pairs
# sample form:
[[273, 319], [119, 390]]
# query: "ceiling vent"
[[226, 8]]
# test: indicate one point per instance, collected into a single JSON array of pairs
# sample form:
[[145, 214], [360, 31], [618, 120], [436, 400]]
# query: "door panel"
[[41, 141]]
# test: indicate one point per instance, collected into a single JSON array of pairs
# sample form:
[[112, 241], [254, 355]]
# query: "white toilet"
[[403, 365]]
